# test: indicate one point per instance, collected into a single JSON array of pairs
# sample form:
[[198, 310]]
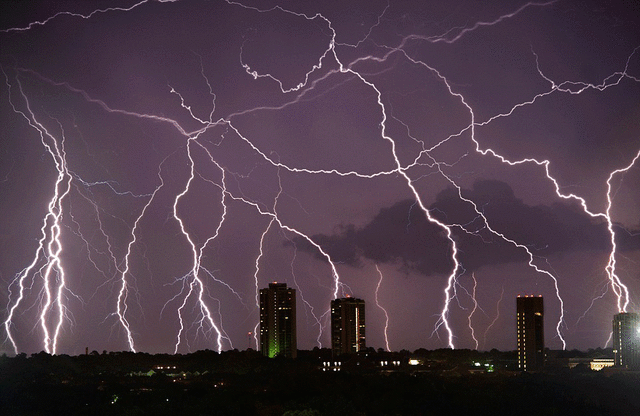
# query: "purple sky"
[[289, 141]]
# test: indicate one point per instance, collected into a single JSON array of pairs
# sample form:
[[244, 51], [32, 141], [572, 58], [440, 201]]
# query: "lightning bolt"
[[255, 277], [49, 246], [620, 290], [484, 339], [123, 292], [618, 287], [47, 261], [386, 314], [473, 311], [80, 15], [197, 286], [575, 88]]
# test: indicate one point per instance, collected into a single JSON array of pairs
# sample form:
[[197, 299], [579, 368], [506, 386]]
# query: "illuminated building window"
[[530, 332]]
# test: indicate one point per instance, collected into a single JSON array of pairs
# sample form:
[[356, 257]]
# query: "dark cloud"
[[398, 234], [402, 234], [626, 239]]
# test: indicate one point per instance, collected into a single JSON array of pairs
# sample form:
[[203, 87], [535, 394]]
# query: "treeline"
[[245, 383], [42, 365]]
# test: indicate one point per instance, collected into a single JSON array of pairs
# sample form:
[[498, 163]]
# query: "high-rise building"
[[530, 328], [347, 326], [626, 340], [278, 321]]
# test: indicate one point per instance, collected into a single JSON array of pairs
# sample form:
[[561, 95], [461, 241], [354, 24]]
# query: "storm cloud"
[[403, 235]]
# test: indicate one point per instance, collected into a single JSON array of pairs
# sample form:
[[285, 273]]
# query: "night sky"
[[161, 161]]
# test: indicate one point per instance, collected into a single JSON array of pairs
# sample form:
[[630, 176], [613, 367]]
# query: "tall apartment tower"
[[530, 326], [347, 326], [278, 321], [626, 340]]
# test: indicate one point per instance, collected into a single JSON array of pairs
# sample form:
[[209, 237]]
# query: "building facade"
[[347, 326], [626, 340], [278, 321], [530, 329]]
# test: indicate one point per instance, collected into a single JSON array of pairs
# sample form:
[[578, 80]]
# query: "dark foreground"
[[246, 384]]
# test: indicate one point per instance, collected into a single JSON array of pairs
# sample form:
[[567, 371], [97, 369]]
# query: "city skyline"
[[162, 161]]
